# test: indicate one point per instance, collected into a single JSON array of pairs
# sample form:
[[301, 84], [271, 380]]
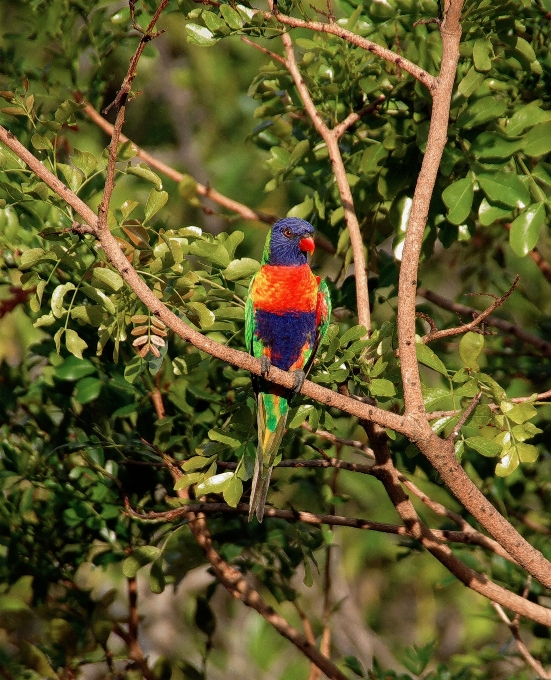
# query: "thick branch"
[[232, 356], [387, 474]]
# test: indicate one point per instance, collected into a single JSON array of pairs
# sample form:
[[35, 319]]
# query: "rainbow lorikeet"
[[286, 317]]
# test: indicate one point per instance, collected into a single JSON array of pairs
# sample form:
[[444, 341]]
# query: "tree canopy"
[[145, 150]]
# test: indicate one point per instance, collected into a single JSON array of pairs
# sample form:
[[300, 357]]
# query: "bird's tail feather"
[[272, 413]]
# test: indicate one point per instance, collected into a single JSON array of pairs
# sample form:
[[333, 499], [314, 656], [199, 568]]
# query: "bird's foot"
[[299, 377], [265, 365]]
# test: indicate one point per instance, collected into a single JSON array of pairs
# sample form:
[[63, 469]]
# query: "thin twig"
[[477, 320], [272, 55], [543, 345], [470, 408], [206, 191], [334, 29], [355, 116], [135, 652], [522, 648]]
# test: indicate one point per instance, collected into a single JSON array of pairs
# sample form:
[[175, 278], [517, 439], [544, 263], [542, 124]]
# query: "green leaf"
[[138, 559], [525, 229], [538, 140], [527, 116], [74, 343], [508, 463], [241, 269], [381, 387], [155, 202], [481, 111], [352, 334], [520, 413], [233, 18], [85, 161], [87, 389], [458, 198], [302, 210], [372, 157], [156, 577], [58, 298], [527, 452], [197, 463], [486, 447], [200, 35], [145, 172], [218, 435], [354, 665], [471, 82], [211, 252], [505, 188], [301, 415], [74, 369], [72, 176], [107, 278], [34, 255], [233, 491], [493, 146], [426, 356], [214, 23], [488, 214], [41, 143], [482, 51], [205, 317], [134, 369], [470, 347], [214, 484]]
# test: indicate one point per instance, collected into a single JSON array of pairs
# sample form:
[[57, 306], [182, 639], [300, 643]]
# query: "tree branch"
[[243, 360], [334, 29], [477, 320], [522, 648], [387, 474], [206, 191], [331, 139], [543, 345]]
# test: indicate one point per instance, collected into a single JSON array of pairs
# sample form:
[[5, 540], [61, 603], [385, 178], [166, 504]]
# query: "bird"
[[286, 317]]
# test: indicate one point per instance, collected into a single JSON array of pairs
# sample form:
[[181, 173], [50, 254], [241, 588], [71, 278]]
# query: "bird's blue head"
[[289, 242]]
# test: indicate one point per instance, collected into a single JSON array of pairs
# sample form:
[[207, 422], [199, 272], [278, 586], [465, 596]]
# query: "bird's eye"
[[288, 233]]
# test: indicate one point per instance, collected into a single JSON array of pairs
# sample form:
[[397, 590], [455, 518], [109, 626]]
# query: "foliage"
[[82, 435]]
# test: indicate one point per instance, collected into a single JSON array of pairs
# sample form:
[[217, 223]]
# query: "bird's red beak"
[[307, 244]]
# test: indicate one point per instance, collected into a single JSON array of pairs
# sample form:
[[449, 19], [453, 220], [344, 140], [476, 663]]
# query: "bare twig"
[[543, 345], [355, 116], [470, 408], [135, 652], [522, 648], [206, 191], [272, 55], [477, 320]]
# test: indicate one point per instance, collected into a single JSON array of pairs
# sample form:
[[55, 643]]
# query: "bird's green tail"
[[272, 413]]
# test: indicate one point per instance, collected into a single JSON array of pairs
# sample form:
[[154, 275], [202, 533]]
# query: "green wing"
[[324, 311], [249, 319]]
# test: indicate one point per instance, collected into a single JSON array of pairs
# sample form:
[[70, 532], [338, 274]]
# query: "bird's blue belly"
[[285, 334]]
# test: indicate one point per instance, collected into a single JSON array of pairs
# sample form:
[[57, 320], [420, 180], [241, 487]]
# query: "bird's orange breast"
[[282, 289]]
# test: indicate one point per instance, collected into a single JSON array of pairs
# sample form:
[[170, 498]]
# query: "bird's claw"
[[298, 380], [265, 365]]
